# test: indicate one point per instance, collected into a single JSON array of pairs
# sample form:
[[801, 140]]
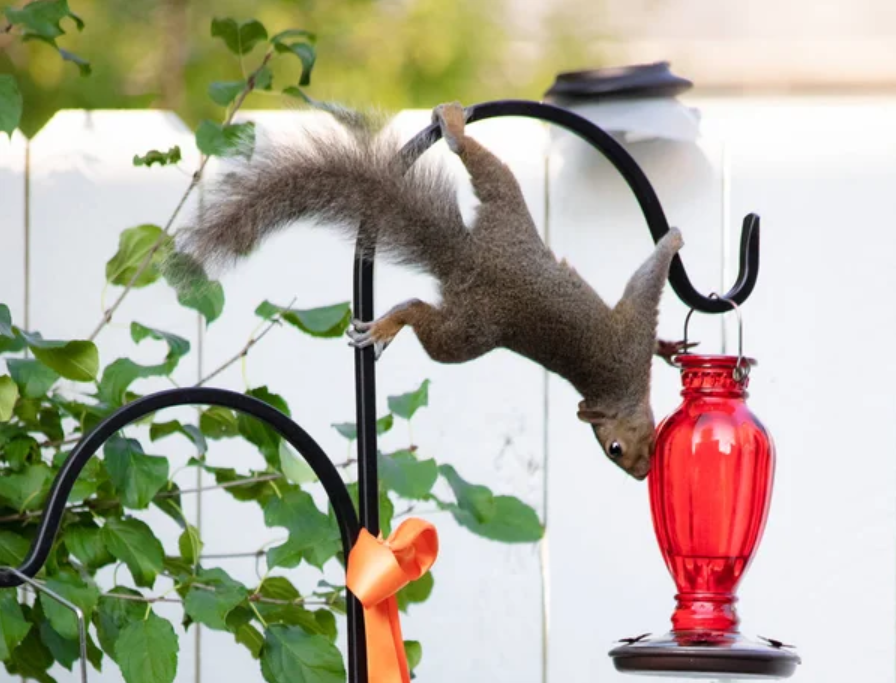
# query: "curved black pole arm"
[[637, 181], [297, 437]]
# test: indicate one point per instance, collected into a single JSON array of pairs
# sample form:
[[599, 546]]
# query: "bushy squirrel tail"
[[350, 178]]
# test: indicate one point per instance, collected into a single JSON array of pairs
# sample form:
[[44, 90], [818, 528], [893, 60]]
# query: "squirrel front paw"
[[451, 118]]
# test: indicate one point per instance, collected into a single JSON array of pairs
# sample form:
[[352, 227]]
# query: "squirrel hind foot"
[[376, 333], [451, 118]]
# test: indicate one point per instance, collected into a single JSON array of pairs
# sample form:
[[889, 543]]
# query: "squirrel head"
[[627, 437]]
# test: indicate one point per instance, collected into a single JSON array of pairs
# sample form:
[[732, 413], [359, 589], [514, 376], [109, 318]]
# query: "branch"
[[240, 354], [197, 176]]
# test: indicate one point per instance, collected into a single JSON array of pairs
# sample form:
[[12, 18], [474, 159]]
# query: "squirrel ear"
[[591, 415]]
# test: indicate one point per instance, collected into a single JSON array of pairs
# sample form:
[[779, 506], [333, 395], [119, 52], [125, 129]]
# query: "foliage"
[[158, 54], [55, 391]]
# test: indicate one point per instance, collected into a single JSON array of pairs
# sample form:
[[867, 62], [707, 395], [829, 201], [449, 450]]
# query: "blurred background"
[[410, 53]]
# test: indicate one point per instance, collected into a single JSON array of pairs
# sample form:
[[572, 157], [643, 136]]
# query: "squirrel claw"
[[666, 349], [360, 325], [361, 340]]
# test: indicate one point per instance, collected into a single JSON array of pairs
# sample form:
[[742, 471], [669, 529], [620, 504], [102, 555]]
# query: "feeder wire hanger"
[[349, 521]]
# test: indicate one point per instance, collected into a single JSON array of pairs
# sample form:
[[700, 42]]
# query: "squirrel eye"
[[615, 450]]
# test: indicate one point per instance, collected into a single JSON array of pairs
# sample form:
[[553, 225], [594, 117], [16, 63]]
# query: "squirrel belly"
[[500, 285]]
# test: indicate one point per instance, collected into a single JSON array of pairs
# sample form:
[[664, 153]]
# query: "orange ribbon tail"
[[377, 570]]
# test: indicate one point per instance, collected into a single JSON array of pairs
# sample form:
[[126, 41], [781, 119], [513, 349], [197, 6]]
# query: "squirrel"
[[500, 285]]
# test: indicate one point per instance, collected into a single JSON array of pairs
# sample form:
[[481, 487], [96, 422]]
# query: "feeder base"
[[704, 655]]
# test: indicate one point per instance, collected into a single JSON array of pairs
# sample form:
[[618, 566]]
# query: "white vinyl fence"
[[821, 174]]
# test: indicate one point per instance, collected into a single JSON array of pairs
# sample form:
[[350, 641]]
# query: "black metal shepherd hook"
[[365, 379]]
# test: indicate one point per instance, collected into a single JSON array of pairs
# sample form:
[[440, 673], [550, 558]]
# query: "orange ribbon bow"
[[377, 570]]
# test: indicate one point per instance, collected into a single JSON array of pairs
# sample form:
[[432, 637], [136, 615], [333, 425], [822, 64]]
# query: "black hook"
[[637, 181]]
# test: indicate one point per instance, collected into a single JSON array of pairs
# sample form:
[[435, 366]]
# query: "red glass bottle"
[[710, 488]]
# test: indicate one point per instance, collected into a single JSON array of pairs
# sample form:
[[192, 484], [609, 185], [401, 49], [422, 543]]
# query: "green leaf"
[[219, 140], [218, 423], [64, 651], [295, 468], [113, 614], [251, 637], [9, 394], [263, 79], [21, 451], [81, 592], [13, 627], [170, 503], [134, 247], [243, 492], [159, 430], [477, 501], [306, 54], [178, 347], [50, 422], [415, 592], [406, 475], [225, 92], [26, 490], [41, 19], [154, 156], [31, 659], [33, 377], [85, 542], [292, 656], [132, 542], [13, 549], [194, 290], [350, 430], [406, 405], [326, 321], [211, 608], [75, 360], [122, 373], [413, 651], [326, 620], [147, 651], [190, 545], [512, 521], [239, 38], [83, 65], [10, 104], [136, 476], [312, 536], [293, 91], [294, 33], [6, 328], [260, 433], [93, 475]]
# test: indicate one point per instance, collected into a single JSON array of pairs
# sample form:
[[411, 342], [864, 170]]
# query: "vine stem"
[[243, 352], [194, 182]]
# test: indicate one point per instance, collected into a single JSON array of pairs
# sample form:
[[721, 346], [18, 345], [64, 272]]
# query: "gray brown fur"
[[500, 285]]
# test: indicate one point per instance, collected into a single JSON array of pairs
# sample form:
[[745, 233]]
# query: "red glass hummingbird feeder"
[[710, 489]]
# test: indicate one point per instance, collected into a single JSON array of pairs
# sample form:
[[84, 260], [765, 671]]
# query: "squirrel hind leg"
[[379, 333], [446, 334]]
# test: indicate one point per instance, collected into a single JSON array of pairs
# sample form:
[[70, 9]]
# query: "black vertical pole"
[[365, 393]]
